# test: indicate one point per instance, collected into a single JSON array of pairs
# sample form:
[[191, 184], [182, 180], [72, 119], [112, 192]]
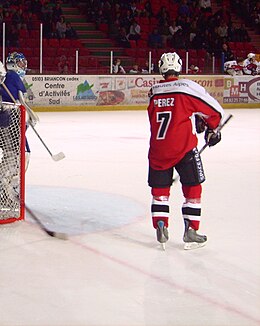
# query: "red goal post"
[[12, 162]]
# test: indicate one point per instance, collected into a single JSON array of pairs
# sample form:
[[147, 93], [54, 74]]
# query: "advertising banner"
[[128, 90]]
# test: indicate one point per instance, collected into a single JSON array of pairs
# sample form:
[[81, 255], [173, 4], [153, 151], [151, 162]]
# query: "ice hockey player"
[[251, 65], [233, 68], [16, 65], [179, 108]]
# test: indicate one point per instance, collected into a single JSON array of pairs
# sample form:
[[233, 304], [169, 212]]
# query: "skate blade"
[[163, 247], [194, 245]]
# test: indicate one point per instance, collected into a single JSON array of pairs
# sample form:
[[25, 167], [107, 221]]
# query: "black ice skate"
[[162, 233], [192, 239]]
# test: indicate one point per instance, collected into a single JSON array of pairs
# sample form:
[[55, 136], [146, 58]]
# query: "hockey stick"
[[218, 129], [56, 157], [207, 144], [58, 235]]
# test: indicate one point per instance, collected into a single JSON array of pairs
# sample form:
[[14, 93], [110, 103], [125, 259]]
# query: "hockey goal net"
[[12, 162]]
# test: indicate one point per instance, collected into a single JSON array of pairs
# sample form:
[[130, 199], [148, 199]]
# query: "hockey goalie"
[[14, 148]]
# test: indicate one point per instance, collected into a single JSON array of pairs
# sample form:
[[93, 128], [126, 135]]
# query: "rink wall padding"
[[129, 92]]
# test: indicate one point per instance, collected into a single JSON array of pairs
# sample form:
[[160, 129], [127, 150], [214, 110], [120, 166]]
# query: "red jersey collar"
[[169, 79]]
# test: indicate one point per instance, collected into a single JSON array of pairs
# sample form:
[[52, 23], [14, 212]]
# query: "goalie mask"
[[17, 62], [170, 64]]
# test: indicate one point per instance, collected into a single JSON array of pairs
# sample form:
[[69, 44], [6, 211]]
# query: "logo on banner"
[[84, 92]]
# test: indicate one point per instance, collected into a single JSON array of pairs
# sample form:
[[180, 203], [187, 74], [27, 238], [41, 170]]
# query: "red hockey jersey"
[[173, 104]]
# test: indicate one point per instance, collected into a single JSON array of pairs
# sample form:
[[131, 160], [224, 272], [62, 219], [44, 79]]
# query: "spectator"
[[184, 9], [155, 39], [251, 65], [232, 33], [163, 15], [227, 53], [178, 40], [12, 39], [233, 68], [165, 33], [205, 6], [194, 70], [135, 69], [18, 19], [28, 19], [56, 13], [243, 35], [61, 28], [173, 29], [223, 14], [133, 9], [126, 20], [222, 31], [63, 65], [70, 32], [122, 39], [145, 69], [135, 31], [117, 68], [148, 9], [100, 18]]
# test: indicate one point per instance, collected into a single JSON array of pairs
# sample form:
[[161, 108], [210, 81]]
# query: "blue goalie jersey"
[[14, 83]]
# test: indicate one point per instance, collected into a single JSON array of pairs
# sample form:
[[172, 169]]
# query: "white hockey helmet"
[[17, 62], [2, 72], [251, 56], [170, 62]]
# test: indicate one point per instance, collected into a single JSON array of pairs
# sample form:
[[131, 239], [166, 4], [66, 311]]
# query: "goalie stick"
[[58, 235], [56, 157], [206, 145]]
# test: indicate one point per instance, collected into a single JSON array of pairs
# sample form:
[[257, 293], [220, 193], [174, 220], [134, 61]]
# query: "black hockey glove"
[[212, 137], [200, 124]]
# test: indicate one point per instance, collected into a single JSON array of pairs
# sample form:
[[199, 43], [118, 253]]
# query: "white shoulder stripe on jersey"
[[188, 87]]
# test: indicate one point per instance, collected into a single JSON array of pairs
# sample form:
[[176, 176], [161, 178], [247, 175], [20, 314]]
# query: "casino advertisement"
[[83, 91]]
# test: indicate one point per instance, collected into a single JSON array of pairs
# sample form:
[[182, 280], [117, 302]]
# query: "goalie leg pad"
[[190, 169]]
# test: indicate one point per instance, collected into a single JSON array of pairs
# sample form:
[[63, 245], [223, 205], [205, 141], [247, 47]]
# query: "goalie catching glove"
[[212, 137]]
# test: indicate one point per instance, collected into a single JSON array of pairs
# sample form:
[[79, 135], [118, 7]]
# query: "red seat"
[[24, 42], [28, 52], [201, 63], [182, 53], [48, 62], [34, 63], [103, 27], [232, 45], [35, 33], [142, 43], [54, 42], [23, 33], [66, 43], [76, 44], [201, 53], [133, 44], [130, 52], [49, 51], [142, 52], [193, 53], [240, 45]]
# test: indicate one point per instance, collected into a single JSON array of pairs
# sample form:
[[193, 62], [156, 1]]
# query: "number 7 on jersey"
[[164, 118]]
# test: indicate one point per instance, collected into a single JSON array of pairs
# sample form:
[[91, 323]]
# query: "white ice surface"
[[111, 271]]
